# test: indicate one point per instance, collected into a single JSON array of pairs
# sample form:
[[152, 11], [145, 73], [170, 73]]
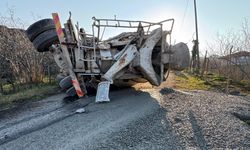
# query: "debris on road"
[[80, 110]]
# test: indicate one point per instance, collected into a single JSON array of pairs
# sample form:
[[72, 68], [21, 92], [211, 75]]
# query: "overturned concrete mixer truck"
[[86, 61]]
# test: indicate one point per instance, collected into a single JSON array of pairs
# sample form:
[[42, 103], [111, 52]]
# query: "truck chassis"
[[87, 62]]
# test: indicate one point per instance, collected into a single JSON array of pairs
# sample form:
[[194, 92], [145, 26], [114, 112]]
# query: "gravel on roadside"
[[206, 120]]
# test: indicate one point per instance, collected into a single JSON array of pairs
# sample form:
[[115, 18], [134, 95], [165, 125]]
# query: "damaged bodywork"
[[87, 62]]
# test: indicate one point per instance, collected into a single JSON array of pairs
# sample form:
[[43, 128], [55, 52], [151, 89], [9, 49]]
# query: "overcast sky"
[[213, 15]]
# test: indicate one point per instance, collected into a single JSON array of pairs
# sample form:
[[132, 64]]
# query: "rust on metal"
[[142, 55], [122, 60]]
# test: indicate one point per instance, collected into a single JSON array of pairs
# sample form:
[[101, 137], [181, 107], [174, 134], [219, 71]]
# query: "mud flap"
[[102, 94]]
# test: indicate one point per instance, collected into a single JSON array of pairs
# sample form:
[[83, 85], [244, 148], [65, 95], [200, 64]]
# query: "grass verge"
[[184, 80], [189, 82], [35, 93], [248, 122]]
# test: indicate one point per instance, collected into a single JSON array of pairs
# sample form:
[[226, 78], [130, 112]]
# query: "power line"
[[184, 15]]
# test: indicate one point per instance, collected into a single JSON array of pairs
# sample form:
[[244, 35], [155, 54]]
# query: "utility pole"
[[196, 42]]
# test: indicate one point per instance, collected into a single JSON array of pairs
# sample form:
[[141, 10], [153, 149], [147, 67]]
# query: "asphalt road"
[[132, 120], [155, 118]]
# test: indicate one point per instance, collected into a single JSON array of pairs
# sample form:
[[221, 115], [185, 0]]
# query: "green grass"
[[37, 92], [185, 80], [248, 122], [190, 82], [8, 88]]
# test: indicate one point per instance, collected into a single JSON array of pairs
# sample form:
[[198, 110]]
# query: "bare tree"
[[240, 40], [23, 64]]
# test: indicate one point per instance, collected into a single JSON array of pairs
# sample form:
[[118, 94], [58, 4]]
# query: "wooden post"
[[207, 65], [229, 74], [204, 65]]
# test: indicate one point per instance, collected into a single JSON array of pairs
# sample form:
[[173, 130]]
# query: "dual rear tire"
[[42, 34], [66, 85]]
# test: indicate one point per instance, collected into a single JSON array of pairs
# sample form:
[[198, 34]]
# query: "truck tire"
[[71, 92], [59, 77], [39, 27], [65, 83], [43, 41]]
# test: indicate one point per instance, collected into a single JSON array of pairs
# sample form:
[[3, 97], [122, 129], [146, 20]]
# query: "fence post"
[[229, 74], [204, 65]]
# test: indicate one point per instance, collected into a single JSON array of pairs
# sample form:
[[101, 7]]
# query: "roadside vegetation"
[[25, 74], [187, 81], [213, 82], [31, 92], [210, 81], [248, 122], [225, 67]]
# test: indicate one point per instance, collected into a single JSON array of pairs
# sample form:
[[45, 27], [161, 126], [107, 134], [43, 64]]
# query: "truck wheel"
[[43, 41], [65, 83], [39, 27], [59, 77], [71, 92]]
